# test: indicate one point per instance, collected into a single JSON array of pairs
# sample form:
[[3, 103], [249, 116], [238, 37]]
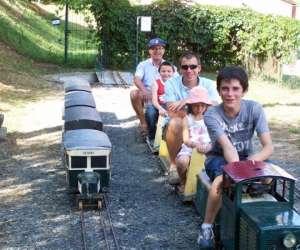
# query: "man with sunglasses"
[[146, 73], [176, 92]]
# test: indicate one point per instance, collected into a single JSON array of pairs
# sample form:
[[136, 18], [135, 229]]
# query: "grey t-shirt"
[[239, 129]]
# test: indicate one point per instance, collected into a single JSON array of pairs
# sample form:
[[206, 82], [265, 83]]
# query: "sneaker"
[[150, 142], [173, 177], [206, 238]]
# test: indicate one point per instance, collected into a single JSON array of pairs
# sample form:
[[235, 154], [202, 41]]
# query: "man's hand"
[[203, 148], [180, 113], [176, 106], [145, 95], [162, 112]]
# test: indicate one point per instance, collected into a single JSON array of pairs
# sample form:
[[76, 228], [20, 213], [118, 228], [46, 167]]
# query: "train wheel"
[[99, 204], [80, 205]]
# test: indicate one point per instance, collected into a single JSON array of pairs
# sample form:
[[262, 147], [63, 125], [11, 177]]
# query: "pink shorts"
[[185, 150]]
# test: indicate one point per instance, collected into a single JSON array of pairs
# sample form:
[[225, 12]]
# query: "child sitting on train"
[[231, 126], [194, 133], [166, 71]]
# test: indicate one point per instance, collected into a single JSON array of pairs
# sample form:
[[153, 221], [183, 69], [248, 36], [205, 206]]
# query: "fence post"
[[66, 31], [137, 41]]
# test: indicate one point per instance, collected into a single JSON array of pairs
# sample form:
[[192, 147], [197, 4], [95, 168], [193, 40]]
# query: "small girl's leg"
[[182, 164]]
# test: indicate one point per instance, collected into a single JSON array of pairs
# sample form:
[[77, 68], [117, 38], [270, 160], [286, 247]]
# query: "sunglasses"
[[186, 67]]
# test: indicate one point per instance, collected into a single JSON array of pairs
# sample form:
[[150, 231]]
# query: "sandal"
[[143, 130], [173, 177], [180, 189]]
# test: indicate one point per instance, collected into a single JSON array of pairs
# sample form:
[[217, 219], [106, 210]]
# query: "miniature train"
[[254, 216], [86, 148]]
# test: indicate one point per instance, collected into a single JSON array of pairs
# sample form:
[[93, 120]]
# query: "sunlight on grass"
[[272, 94], [35, 36], [294, 130]]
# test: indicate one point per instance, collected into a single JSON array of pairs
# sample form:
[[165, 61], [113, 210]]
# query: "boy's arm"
[[229, 151], [267, 148], [155, 102], [154, 95]]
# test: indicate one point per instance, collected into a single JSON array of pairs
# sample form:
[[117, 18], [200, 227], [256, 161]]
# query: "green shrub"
[[221, 35]]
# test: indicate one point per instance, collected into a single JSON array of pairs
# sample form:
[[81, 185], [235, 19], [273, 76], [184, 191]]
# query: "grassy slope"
[[28, 30], [20, 80]]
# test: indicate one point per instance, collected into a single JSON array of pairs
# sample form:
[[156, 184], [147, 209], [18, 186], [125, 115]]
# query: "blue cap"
[[156, 42]]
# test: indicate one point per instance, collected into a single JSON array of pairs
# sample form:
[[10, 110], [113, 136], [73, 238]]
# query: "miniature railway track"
[[297, 194], [119, 80], [108, 236], [83, 230]]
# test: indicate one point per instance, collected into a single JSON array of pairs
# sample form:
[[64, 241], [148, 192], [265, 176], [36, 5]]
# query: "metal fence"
[[47, 33], [80, 39]]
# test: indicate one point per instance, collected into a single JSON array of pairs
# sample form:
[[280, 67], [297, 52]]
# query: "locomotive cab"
[[87, 154], [257, 209]]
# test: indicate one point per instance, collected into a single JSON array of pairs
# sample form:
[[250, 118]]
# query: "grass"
[[30, 32], [20, 80]]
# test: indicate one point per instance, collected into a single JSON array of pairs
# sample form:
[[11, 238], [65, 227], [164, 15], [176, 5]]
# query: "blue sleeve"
[[169, 92], [140, 71], [212, 90], [214, 125], [261, 124]]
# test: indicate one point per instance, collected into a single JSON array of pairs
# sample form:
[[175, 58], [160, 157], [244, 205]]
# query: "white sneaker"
[[206, 238], [173, 177]]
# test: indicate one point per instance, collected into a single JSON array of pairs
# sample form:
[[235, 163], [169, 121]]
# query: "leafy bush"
[[221, 35]]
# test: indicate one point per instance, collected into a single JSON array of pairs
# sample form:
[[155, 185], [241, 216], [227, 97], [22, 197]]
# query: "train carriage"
[[79, 98], [77, 86], [87, 157], [82, 117]]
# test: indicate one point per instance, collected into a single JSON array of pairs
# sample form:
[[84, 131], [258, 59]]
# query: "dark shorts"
[[214, 165]]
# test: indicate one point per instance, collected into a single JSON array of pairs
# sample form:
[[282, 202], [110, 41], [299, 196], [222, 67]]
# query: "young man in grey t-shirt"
[[231, 126]]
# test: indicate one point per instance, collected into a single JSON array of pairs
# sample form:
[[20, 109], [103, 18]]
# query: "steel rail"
[[107, 225], [124, 83], [107, 205], [82, 225], [101, 213]]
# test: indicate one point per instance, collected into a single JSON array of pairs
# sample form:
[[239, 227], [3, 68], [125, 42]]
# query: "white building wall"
[[298, 12], [275, 7]]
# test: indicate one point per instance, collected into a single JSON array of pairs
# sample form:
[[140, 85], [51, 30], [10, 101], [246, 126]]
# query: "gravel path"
[[38, 213]]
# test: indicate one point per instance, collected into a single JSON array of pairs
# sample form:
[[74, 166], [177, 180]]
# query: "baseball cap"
[[156, 42]]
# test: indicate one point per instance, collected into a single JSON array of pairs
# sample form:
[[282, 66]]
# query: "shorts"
[[214, 165], [185, 150]]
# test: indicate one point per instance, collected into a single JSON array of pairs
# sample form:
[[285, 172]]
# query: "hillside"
[[28, 29]]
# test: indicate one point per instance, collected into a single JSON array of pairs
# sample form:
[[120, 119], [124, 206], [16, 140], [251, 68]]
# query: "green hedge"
[[221, 35]]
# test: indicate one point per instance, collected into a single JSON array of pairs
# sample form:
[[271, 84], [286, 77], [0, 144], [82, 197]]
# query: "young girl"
[[166, 71], [195, 133]]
